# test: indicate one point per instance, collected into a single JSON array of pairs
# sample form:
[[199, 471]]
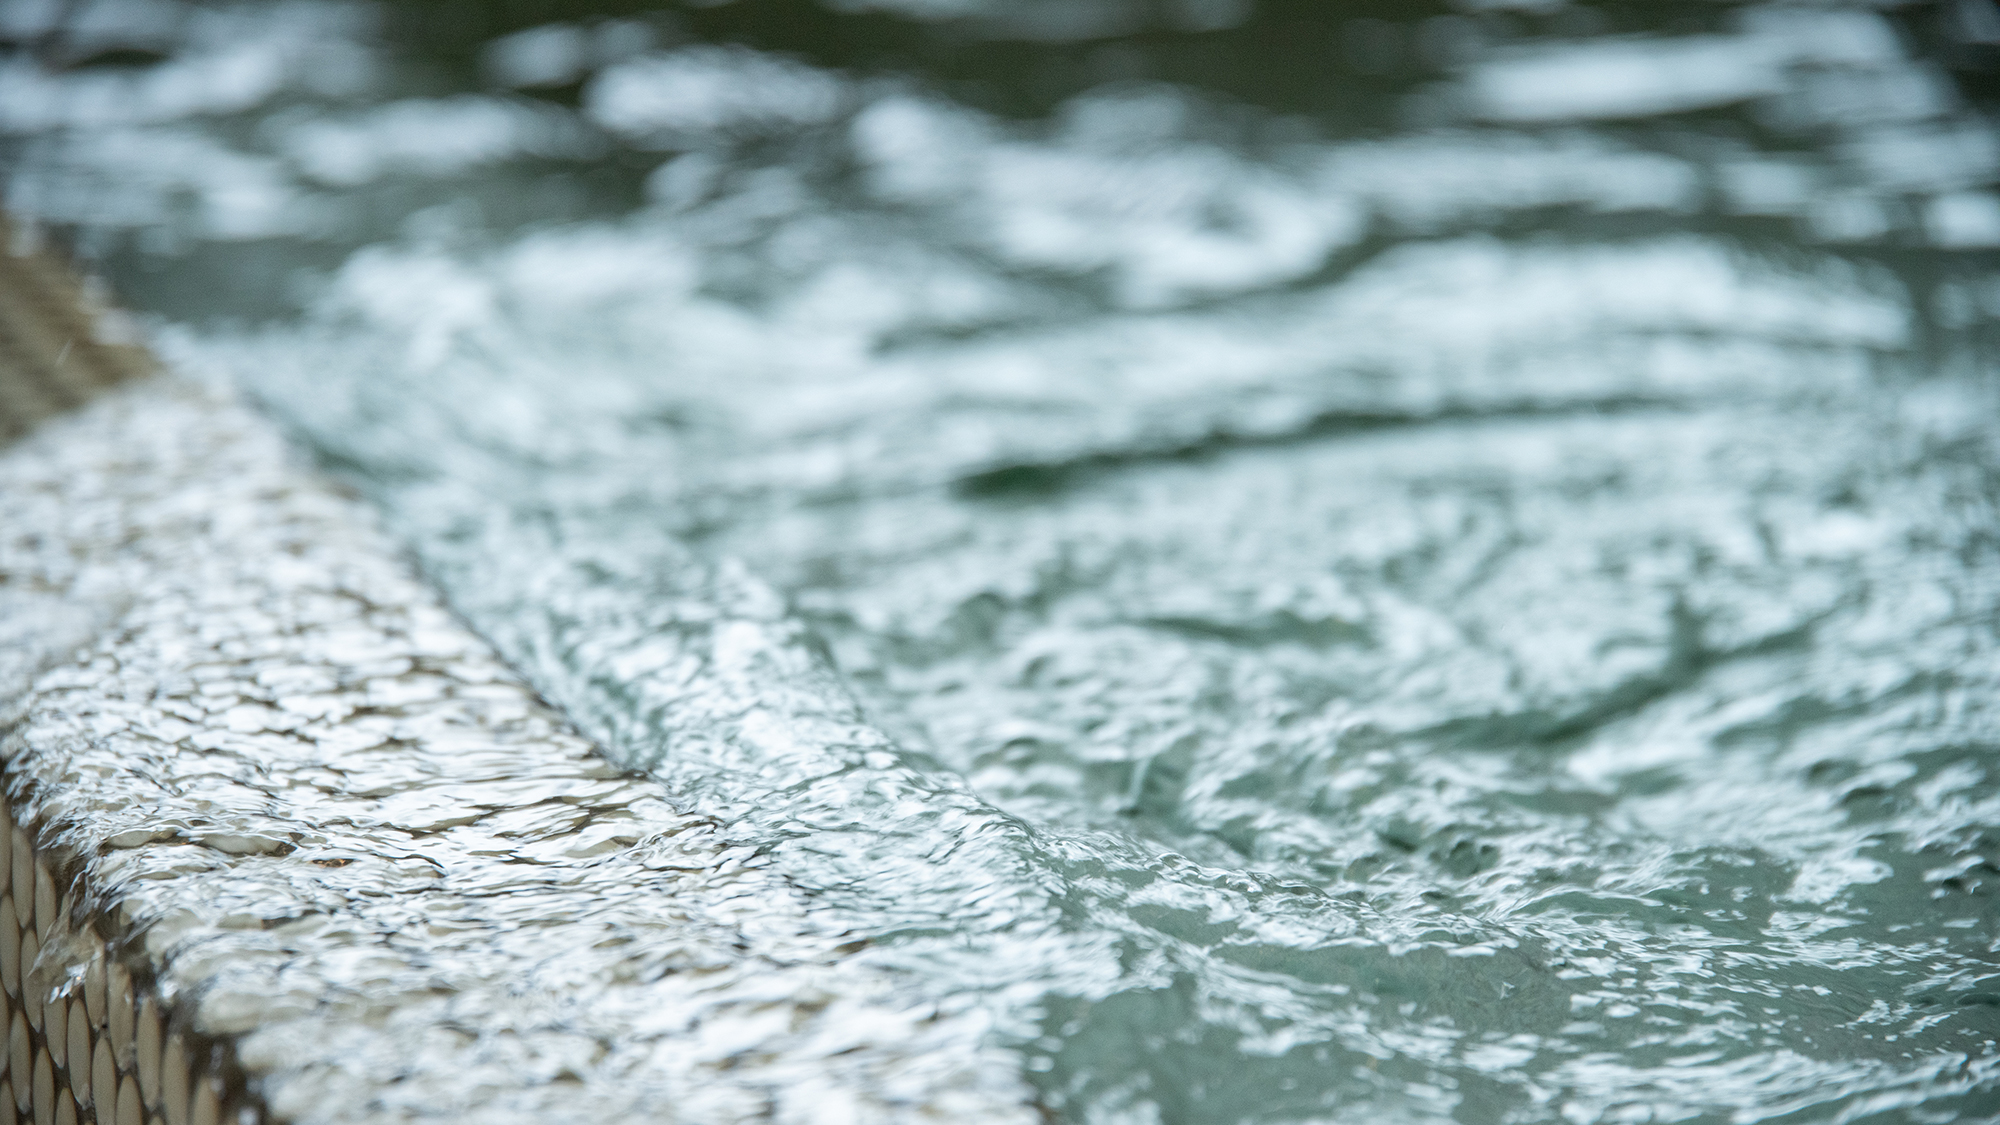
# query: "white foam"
[[668, 97], [429, 137]]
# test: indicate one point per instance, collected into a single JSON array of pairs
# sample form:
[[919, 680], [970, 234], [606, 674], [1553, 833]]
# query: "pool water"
[[1321, 563]]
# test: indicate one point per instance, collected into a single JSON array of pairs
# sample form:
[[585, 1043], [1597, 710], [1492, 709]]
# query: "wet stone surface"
[[352, 843]]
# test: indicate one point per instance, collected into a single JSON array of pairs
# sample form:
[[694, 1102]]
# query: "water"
[[1372, 564]]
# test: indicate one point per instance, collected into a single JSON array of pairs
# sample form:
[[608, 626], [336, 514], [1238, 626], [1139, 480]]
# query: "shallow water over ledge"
[[1452, 578]]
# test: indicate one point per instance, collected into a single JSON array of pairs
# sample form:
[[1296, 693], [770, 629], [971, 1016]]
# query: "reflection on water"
[[1367, 564]]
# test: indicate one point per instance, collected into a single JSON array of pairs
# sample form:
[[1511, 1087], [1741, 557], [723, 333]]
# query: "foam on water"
[[1472, 623]]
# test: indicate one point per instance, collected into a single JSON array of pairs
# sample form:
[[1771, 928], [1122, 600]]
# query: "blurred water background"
[[1351, 561]]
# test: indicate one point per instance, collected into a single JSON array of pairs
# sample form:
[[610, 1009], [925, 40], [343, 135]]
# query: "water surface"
[[1366, 563]]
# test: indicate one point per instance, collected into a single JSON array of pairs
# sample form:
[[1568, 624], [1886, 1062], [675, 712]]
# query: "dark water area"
[[1315, 562]]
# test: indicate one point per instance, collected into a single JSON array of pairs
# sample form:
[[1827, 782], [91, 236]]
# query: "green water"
[[1323, 563]]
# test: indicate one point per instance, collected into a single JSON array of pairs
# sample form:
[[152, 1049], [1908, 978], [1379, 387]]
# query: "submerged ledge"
[[302, 848]]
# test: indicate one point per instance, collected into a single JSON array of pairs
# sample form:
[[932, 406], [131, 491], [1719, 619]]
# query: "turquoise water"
[[1347, 564]]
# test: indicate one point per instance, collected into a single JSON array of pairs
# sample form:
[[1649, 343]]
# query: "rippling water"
[[1366, 564]]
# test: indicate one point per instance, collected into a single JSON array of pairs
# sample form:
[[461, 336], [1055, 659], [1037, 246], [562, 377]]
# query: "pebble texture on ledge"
[[275, 781], [60, 341]]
